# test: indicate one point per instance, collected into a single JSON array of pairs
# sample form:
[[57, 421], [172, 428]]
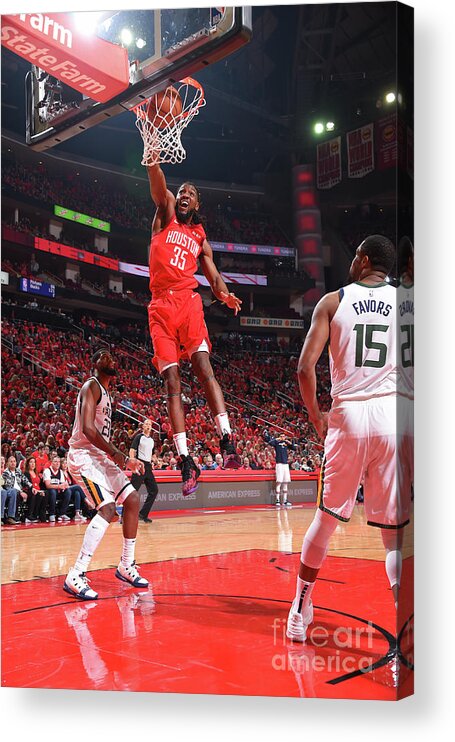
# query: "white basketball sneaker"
[[131, 575], [77, 585], [297, 624]]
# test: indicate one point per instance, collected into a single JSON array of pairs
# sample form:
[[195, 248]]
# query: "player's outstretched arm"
[[89, 400], [163, 199], [314, 344], [215, 280]]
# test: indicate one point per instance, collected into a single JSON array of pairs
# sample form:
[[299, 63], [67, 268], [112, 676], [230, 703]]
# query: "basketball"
[[164, 107]]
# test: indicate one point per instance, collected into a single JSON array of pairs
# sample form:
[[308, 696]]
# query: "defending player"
[[360, 433], [94, 463], [176, 316]]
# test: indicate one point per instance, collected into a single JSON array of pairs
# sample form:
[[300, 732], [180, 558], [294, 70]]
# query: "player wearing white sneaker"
[[94, 464], [297, 623], [130, 574], [360, 431], [77, 584]]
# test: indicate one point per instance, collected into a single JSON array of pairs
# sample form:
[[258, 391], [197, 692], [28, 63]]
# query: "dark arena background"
[[306, 134]]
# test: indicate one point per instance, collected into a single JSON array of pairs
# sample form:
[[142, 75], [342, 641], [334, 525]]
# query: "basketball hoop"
[[162, 135]]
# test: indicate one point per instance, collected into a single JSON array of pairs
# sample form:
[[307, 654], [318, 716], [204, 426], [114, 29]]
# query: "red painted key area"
[[215, 625]]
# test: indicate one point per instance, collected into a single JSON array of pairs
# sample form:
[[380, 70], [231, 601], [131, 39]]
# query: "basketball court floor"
[[213, 618]]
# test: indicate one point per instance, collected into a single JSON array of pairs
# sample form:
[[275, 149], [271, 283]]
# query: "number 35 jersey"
[[103, 419], [173, 256], [362, 351]]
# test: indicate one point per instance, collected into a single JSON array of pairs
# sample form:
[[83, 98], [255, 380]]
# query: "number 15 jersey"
[[173, 256], [362, 351]]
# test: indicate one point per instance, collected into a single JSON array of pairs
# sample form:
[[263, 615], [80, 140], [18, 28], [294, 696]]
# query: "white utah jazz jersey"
[[103, 419], [405, 299], [362, 343]]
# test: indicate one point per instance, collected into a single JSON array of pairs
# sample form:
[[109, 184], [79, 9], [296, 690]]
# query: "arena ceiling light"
[[140, 43], [87, 23], [330, 126], [390, 97], [126, 36], [318, 128]]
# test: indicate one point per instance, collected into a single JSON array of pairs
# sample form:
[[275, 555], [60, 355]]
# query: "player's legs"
[[127, 570], [202, 367], [130, 515], [175, 410], [190, 471], [387, 485], [345, 452], [76, 582], [393, 543], [279, 482], [286, 502], [284, 486], [164, 332], [106, 485], [277, 493], [314, 550]]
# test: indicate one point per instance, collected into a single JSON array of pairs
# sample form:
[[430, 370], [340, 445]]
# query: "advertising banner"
[[216, 494], [51, 41], [272, 322]]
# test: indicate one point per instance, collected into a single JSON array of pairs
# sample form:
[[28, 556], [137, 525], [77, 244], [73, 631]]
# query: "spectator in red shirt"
[[41, 458]]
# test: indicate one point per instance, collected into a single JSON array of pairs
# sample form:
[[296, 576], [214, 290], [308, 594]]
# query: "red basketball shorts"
[[177, 327]]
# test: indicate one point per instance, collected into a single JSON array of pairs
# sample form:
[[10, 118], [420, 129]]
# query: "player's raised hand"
[[232, 301], [136, 466]]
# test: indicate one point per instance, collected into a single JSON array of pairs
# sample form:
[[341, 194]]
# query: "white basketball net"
[[162, 136]]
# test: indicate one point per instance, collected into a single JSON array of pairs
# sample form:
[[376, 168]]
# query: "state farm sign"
[[94, 67]]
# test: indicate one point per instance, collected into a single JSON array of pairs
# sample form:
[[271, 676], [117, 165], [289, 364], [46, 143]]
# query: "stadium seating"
[[43, 368]]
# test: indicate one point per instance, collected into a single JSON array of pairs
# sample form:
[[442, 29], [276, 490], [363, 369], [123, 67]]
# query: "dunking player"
[[94, 463], [360, 432], [176, 315]]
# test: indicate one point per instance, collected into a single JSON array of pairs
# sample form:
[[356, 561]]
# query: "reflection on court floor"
[[214, 623]]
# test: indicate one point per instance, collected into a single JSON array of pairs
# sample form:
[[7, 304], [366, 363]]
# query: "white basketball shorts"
[[101, 479], [362, 446], [282, 473]]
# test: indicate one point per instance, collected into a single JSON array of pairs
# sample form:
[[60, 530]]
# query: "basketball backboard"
[[163, 47]]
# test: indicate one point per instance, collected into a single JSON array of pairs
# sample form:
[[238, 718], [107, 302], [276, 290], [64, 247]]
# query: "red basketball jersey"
[[173, 256]]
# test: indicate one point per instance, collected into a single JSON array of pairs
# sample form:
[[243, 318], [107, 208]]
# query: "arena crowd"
[[43, 368]]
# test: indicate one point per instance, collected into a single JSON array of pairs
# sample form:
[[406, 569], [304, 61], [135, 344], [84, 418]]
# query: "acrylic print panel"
[[306, 133]]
